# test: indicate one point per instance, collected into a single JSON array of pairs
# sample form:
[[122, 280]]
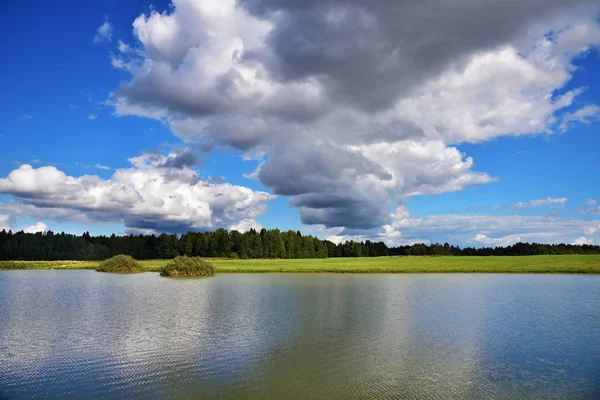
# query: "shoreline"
[[559, 264]]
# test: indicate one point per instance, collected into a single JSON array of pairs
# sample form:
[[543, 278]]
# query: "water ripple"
[[81, 334]]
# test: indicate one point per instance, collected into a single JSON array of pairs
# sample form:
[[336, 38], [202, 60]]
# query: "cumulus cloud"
[[181, 158], [484, 229], [38, 227], [335, 239], [152, 194], [583, 240], [356, 107], [245, 225], [104, 33], [354, 187]]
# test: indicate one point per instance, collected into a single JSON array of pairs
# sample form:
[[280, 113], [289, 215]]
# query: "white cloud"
[[585, 115], [591, 209], [4, 222], [255, 173], [26, 117], [124, 48], [487, 230], [104, 33], [92, 117], [484, 240], [118, 62], [548, 201], [497, 93], [331, 234], [583, 240], [245, 225], [38, 227], [141, 231], [357, 108], [335, 239], [150, 195], [104, 167]]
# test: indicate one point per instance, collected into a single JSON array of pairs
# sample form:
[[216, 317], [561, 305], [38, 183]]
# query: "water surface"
[[83, 334]]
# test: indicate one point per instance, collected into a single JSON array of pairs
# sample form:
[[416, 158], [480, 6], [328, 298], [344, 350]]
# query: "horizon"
[[87, 236], [338, 120]]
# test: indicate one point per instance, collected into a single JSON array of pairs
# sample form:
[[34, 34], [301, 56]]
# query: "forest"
[[233, 244]]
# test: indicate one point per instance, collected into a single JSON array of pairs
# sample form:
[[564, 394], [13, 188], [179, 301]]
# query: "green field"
[[520, 264], [8, 265]]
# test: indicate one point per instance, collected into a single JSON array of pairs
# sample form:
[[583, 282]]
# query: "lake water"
[[84, 334]]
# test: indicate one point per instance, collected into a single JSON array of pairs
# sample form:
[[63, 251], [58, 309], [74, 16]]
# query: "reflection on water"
[[82, 334]]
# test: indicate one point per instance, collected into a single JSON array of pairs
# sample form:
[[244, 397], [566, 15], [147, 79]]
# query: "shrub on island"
[[120, 263], [188, 266]]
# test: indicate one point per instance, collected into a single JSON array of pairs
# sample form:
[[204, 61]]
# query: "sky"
[[475, 123]]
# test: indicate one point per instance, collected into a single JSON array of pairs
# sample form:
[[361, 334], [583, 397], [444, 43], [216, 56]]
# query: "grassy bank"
[[8, 265], [521, 264]]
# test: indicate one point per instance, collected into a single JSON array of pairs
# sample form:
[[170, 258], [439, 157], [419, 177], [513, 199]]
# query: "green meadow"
[[451, 264]]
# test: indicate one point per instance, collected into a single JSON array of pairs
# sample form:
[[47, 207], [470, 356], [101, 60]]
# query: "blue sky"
[[483, 135]]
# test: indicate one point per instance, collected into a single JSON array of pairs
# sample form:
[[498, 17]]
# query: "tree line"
[[233, 244], [517, 249]]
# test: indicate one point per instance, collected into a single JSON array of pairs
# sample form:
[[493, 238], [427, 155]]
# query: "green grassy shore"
[[580, 264]]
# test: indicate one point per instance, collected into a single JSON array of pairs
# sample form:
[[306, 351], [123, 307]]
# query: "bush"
[[188, 266], [120, 263]]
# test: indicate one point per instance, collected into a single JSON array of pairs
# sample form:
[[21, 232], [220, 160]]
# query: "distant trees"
[[518, 249], [220, 243], [233, 244]]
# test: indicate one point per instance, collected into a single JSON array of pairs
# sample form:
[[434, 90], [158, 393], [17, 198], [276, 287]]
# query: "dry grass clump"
[[188, 266], [120, 263]]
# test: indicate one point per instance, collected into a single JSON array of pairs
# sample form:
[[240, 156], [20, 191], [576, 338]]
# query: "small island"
[[120, 263], [185, 266]]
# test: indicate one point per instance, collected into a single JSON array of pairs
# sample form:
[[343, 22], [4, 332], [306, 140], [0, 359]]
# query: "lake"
[[85, 334]]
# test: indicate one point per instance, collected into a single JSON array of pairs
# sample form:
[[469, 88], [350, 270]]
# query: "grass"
[[4, 265], [521, 264]]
